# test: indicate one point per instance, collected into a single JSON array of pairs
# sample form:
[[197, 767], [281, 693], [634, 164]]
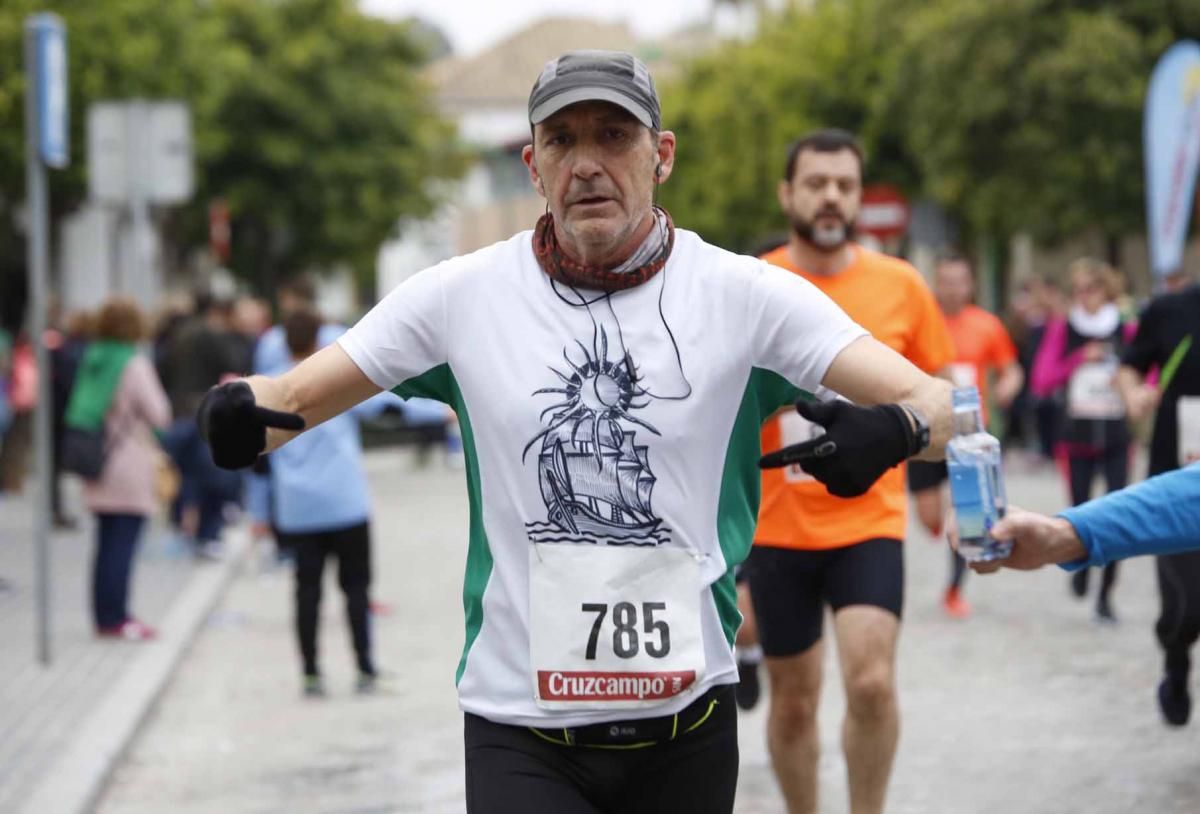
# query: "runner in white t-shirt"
[[610, 374]]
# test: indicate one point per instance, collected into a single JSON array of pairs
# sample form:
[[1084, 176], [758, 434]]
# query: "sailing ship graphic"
[[595, 478]]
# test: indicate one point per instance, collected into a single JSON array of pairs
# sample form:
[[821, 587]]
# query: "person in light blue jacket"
[[1158, 516], [317, 499]]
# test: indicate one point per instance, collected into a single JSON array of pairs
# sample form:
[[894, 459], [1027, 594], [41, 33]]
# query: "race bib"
[[796, 429], [1091, 393], [1188, 424], [963, 374], [613, 627]]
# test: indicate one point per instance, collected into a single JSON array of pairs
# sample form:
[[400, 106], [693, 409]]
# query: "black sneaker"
[[1104, 611], [748, 688], [1174, 701], [367, 683], [314, 686], [1079, 582]]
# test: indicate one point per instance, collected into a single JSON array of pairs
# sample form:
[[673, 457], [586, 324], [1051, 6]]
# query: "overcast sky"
[[473, 25]]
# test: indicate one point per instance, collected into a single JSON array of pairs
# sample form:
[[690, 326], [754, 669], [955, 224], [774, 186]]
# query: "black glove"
[[858, 446], [235, 427]]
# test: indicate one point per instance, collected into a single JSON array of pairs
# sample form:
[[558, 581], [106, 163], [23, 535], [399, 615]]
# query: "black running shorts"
[[518, 769], [791, 587], [924, 475]]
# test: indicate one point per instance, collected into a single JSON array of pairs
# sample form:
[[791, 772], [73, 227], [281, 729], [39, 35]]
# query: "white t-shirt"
[[552, 415]]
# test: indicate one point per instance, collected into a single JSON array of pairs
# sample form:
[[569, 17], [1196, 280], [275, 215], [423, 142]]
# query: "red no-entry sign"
[[884, 212]]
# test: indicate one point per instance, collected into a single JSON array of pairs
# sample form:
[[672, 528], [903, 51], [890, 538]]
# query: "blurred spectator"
[[1119, 282], [1032, 419], [65, 357], [116, 387], [251, 319], [22, 398], [294, 295], [316, 498], [5, 371], [1079, 355], [1176, 281], [200, 351], [173, 316]]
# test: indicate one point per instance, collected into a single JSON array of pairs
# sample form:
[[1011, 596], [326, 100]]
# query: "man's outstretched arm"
[[869, 372]]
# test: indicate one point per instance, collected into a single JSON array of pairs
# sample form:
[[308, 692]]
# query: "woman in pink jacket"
[[1078, 357], [117, 386]]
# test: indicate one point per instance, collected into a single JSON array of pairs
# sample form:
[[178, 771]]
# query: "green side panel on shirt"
[[741, 484], [439, 383]]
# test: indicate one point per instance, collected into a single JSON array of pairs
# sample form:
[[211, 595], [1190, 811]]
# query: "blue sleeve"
[[1157, 516], [258, 497]]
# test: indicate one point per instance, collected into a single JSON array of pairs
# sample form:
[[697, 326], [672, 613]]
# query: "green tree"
[[328, 135], [117, 49], [735, 111], [1015, 115], [309, 118], [1024, 115]]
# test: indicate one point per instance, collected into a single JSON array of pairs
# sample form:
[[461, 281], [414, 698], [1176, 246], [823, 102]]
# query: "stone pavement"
[[1027, 707], [93, 690]]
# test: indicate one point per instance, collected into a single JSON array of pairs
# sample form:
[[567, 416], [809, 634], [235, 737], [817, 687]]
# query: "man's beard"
[[824, 238]]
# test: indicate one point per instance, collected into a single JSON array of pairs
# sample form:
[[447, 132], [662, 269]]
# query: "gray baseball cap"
[[595, 76]]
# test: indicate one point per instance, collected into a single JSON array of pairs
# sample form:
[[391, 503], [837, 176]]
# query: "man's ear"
[[534, 177], [784, 191], [664, 156]]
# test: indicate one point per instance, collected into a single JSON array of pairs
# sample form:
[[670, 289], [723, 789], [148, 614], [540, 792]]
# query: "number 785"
[[625, 643]]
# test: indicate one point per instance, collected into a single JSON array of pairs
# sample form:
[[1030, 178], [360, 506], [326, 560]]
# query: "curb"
[[73, 782]]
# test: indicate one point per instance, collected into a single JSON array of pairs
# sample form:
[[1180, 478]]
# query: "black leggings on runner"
[[1179, 622], [1114, 462], [515, 769]]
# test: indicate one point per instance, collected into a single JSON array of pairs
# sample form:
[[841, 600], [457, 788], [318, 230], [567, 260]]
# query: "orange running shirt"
[[980, 342], [889, 298]]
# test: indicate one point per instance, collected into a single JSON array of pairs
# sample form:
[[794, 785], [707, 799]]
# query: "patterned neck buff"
[[647, 261]]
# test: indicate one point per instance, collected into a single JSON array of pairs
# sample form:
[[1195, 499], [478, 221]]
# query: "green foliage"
[[1014, 114], [736, 110], [1025, 115], [328, 135], [309, 118]]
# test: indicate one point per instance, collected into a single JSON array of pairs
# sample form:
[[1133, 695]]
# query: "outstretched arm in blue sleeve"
[[1157, 516]]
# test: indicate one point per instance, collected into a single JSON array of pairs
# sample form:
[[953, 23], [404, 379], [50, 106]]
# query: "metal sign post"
[[139, 156], [46, 144]]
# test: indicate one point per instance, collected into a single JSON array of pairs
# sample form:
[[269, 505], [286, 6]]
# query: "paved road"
[[1028, 707], [42, 707]]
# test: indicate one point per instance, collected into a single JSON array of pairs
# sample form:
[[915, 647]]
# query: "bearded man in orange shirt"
[[811, 548], [982, 347]]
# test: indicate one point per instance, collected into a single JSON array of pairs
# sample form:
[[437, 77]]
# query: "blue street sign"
[[50, 76]]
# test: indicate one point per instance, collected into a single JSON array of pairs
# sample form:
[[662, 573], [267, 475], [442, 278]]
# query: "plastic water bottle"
[[976, 480]]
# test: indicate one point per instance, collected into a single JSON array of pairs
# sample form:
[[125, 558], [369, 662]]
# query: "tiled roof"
[[505, 72]]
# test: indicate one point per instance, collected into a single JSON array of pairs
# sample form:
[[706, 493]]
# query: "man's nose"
[[585, 167], [586, 162]]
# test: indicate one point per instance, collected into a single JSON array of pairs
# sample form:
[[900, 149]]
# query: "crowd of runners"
[[616, 380]]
